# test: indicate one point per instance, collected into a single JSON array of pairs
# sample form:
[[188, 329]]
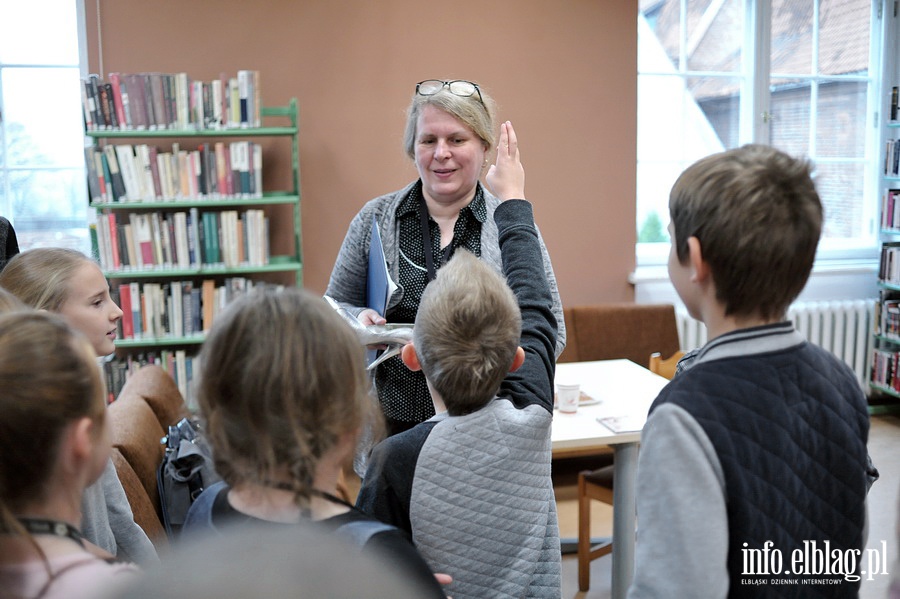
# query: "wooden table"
[[624, 390]]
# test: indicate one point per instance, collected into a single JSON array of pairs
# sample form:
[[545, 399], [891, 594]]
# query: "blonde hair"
[[282, 380], [41, 277], [758, 217], [9, 302], [477, 115], [466, 332], [49, 378]]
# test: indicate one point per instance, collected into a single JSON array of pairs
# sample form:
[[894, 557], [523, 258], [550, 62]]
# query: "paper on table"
[[624, 424]]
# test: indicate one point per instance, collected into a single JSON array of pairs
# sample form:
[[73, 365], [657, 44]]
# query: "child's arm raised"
[[532, 383]]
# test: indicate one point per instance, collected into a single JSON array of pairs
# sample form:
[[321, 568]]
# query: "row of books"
[[178, 363], [889, 264], [884, 368], [155, 101], [895, 102], [134, 173], [176, 309], [186, 239], [887, 314], [890, 209], [892, 158]]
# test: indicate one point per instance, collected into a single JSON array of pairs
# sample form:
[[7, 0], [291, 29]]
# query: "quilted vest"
[[790, 431]]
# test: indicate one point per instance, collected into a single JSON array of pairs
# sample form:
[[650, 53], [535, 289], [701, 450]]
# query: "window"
[[42, 181], [797, 74]]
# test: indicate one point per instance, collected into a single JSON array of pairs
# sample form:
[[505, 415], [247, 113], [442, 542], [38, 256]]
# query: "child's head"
[[282, 384], [9, 302], [466, 333], [68, 282], [52, 393], [757, 218]]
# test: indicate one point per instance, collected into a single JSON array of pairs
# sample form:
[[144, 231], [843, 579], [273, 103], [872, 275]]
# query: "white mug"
[[567, 395]]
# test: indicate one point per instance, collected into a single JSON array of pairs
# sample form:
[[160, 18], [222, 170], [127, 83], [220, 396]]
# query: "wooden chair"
[[603, 332], [665, 367]]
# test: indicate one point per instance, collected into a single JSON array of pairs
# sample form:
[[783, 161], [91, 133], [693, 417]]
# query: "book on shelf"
[[208, 302], [109, 111], [144, 172], [92, 108], [894, 103], [161, 101], [119, 192], [890, 216], [87, 106], [136, 309], [178, 239], [125, 305], [119, 97], [889, 265]]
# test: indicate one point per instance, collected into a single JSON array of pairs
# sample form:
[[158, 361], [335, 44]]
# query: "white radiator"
[[842, 327]]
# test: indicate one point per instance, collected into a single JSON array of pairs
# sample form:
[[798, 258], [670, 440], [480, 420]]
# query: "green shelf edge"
[[269, 198], [159, 341], [276, 264], [884, 408]]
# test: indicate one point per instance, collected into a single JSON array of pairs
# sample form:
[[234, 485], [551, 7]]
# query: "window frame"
[[76, 169], [754, 108]]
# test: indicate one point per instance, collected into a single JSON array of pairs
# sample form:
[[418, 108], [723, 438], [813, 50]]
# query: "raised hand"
[[506, 178]]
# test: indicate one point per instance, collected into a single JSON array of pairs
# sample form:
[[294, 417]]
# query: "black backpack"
[[187, 468]]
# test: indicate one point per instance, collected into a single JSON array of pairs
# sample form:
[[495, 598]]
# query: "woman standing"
[[450, 132]]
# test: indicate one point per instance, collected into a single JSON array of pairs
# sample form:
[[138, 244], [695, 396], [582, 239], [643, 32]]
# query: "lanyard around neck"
[[39, 526], [426, 241]]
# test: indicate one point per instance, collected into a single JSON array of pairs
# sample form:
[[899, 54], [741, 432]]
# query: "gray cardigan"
[[348, 278]]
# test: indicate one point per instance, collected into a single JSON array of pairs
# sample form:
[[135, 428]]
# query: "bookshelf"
[[884, 367], [176, 257]]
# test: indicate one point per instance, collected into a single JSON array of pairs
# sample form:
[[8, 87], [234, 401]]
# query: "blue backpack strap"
[[199, 515], [360, 531]]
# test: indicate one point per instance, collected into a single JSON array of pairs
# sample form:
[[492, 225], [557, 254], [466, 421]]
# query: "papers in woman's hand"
[[390, 336]]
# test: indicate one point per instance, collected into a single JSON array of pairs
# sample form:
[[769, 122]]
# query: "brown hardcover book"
[[137, 100], [158, 101], [104, 105]]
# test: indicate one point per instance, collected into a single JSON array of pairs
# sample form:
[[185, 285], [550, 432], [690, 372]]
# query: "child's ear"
[[409, 357], [518, 359], [698, 264]]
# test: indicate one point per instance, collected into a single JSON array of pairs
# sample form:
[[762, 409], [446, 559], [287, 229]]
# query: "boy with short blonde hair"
[[759, 447], [472, 485]]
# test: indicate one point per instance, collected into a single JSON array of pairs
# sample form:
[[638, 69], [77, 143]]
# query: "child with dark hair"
[[759, 447], [472, 485]]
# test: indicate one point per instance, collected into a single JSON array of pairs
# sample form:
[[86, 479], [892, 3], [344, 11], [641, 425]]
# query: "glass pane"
[[42, 112], [841, 189], [49, 208], [841, 120], [844, 29], [715, 34], [790, 122], [792, 37], [680, 120], [4, 199], [660, 21], [38, 32]]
